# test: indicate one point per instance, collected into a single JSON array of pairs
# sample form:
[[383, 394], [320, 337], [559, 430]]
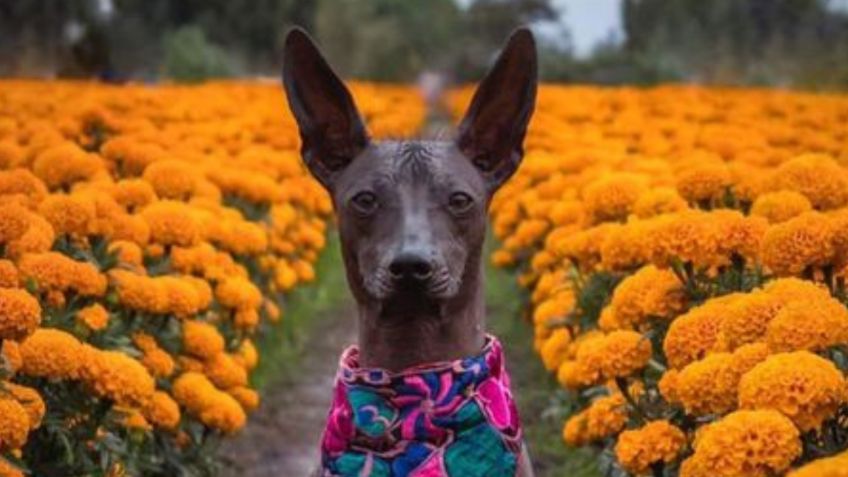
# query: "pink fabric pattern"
[[447, 419]]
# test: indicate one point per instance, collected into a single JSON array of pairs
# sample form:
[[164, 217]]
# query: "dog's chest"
[[443, 420]]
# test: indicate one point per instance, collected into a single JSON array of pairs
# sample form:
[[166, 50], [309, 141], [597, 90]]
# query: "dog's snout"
[[410, 266]]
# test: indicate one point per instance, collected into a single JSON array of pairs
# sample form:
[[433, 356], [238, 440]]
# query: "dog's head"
[[411, 214]]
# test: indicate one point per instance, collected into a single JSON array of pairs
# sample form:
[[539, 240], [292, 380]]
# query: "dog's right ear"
[[331, 130]]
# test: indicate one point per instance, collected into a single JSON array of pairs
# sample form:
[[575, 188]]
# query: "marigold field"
[[147, 234], [685, 253]]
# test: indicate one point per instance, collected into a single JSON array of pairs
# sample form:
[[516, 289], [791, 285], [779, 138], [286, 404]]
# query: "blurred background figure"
[[802, 43]]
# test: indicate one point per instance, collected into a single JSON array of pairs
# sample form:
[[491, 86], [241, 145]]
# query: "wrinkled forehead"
[[413, 162]]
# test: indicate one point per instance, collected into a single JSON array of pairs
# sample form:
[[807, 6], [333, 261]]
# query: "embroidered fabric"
[[448, 419]]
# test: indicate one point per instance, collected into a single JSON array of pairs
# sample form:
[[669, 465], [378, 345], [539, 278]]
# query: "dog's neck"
[[456, 330]]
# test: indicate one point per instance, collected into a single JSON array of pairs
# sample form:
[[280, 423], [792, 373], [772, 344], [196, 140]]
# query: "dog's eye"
[[460, 202], [365, 202]]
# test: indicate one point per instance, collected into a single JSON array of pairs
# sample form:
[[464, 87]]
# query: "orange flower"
[[20, 314]]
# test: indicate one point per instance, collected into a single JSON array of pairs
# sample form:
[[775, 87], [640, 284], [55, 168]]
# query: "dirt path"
[[281, 439]]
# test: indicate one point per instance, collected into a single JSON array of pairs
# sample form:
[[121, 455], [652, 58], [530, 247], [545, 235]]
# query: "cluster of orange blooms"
[[146, 235], [686, 251]]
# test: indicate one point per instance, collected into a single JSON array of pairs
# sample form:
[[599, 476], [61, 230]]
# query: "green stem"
[[621, 383], [656, 366]]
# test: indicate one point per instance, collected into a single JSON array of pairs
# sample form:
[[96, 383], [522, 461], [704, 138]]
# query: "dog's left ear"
[[492, 132], [332, 132]]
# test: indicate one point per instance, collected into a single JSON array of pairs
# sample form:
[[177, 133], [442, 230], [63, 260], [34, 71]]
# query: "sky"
[[588, 21]]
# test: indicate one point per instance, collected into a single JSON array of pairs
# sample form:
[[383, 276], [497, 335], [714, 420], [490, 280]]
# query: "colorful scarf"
[[449, 419]]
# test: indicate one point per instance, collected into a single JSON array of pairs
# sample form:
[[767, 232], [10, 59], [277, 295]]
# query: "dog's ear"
[[332, 132], [492, 132]]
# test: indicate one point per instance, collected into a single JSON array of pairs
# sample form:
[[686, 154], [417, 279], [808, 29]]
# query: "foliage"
[[190, 57]]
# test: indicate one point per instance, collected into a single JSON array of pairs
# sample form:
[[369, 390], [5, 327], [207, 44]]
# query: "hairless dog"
[[425, 392]]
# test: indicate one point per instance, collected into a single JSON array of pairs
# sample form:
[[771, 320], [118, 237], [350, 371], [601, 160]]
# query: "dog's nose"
[[408, 266]]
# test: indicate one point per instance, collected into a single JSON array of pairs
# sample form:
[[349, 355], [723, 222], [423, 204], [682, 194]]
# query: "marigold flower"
[[130, 228], [246, 319], [667, 386], [804, 387], [214, 408], [305, 271], [238, 292], [10, 357], [685, 236], [23, 186], [650, 293], [131, 154], [172, 179], [224, 413], [553, 351], [54, 271], [14, 221], [749, 443], [183, 296], [584, 247], [189, 364], [575, 375], [8, 274], [73, 215], [8, 470], [248, 398], [557, 306], [172, 223], [792, 289], [816, 176], [248, 354], [23, 231], [139, 292], [811, 324], [639, 449], [605, 417], [658, 201], [836, 466], [704, 181], [162, 411], [20, 314], [116, 376], [133, 194], [777, 207], [611, 197], [696, 333], [62, 165], [29, 398], [238, 236], [14, 424], [202, 339], [158, 362], [225, 372], [574, 372], [626, 249], [128, 253], [805, 241], [95, 317], [272, 311], [738, 235], [709, 386], [618, 354], [747, 319], [52, 353]]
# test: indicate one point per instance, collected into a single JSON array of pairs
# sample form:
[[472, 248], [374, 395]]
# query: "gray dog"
[[425, 393]]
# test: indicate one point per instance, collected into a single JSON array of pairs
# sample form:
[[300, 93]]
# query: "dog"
[[425, 393]]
